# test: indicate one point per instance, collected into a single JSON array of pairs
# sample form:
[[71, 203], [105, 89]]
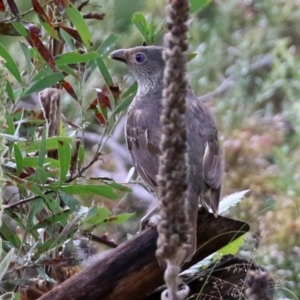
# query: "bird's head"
[[146, 64]]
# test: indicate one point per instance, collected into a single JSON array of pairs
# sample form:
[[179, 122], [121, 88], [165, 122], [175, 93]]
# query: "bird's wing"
[[212, 165], [205, 137], [143, 143]]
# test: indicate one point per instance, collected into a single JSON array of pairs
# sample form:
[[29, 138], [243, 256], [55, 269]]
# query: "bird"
[[143, 131]]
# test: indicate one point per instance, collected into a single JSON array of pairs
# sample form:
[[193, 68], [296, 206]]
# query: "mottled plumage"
[[143, 131]]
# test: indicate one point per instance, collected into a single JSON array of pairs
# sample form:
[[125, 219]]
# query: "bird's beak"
[[118, 55]]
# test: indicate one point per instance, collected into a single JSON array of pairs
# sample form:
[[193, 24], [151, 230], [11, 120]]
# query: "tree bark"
[[131, 271]]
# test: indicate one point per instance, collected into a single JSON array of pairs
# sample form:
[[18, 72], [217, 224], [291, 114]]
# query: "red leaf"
[[39, 10], [67, 86], [100, 117], [34, 33], [102, 99], [82, 5], [72, 32], [2, 6], [94, 104], [13, 7], [116, 92], [95, 16]]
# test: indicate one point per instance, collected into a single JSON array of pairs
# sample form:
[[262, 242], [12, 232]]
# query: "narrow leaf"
[[64, 153], [119, 219], [4, 264], [44, 19], [87, 189], [106, 47], [67, 32], [43, 83], [10, 64], [141, 24], [78, 21], [34, 34], [21, 29], [10, 236], [104, 71], [13, 7], [61, 216], [42, 150], [68, 87], [70, 201], [33, 162], [75, 58], [9, 91], [51, 143], [18, 158]]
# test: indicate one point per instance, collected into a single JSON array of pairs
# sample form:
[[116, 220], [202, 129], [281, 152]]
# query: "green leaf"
[[231, 248], [104, 71], [78, 21], [70, 201], [10, 236], [33, 188], [48, 27], [126, 99], [10, 64], [68, 39], [196, 5], [81, 154], [106, 47], [51, 143], [75, 58], [95, 216], [141, 24], [10, 126], [33, 162], [132, 89], [61, 216], [41, 175], [123, 105], [9, 91], [86, 189], [43, 83], [19, 158], [119, 187], [4, 264], [27, 55], [64, 153], [42, 150], [21, 29], [66, 69], [119, 219], [43, 72]]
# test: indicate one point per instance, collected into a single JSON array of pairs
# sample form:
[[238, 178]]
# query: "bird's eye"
[[140, 57]]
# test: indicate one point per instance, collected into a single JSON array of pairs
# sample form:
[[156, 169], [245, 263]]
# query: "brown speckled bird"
[[143, 132]]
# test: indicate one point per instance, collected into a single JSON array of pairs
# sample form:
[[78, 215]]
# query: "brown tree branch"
[[131, 271]]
